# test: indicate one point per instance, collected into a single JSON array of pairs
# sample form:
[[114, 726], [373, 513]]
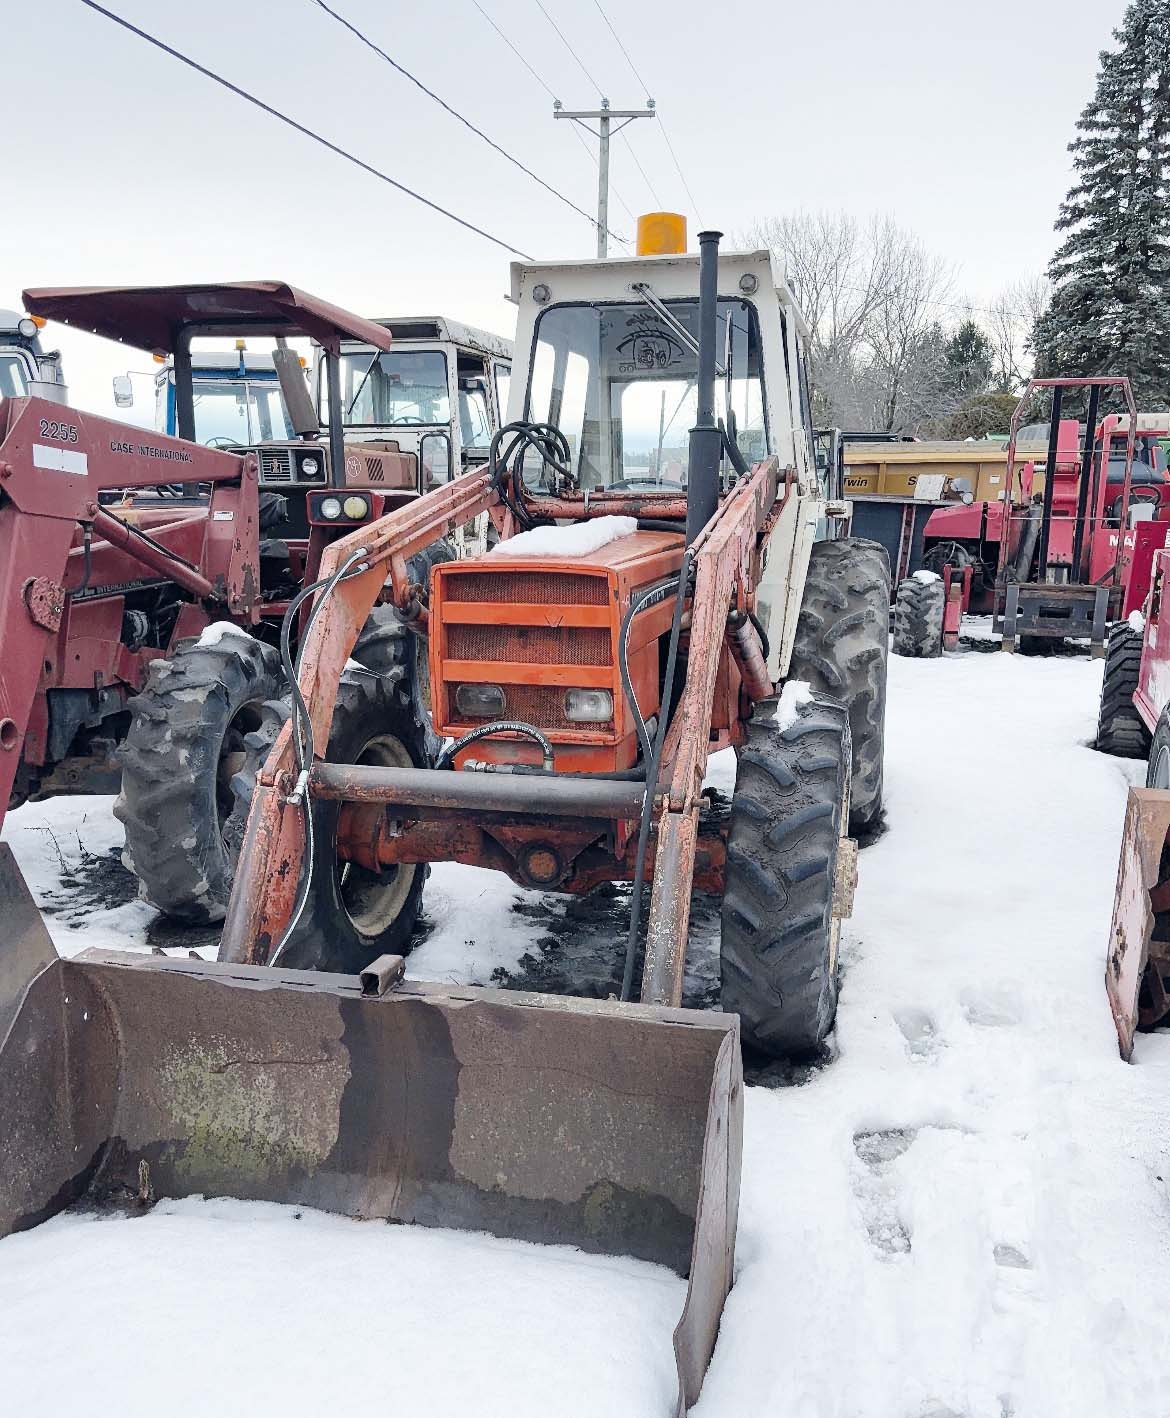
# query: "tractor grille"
[[529, 644], [276, 465], [532, 588], [542, 705]]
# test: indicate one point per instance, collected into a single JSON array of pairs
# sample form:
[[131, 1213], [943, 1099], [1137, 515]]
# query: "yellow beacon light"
[[662, 234]]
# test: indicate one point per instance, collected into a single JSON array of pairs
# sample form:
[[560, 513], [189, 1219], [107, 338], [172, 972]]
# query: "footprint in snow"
[[888, 1233], [920, 1032], [991, 1009]]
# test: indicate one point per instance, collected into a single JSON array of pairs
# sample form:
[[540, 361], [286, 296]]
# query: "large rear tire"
[[786, 850], [842, 649], [188, 739], [918, 618], [1120, 728], [352, 915]]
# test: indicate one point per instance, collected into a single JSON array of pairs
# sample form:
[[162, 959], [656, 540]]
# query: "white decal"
[[222, 516], [60, 460]]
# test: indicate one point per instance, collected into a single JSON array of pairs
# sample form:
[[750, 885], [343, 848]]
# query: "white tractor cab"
[[607, 352], [25, 368], [438, 394], [238, 400]]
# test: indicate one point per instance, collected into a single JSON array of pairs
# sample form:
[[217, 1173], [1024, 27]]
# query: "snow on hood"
[[926, 577], [578, 539]]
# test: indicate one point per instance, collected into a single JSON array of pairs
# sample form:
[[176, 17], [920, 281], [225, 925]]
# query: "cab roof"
[[154, 317]]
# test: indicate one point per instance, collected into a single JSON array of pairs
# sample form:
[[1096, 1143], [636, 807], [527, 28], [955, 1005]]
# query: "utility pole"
[[604, 117]]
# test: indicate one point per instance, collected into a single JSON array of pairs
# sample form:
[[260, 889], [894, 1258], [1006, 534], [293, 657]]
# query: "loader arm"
[[272, 852], [54, 462], [721, 554]]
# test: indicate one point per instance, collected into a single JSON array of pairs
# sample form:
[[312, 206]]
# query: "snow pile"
[[926, 578], [245, 1307], [793, 697], [220, 630], [1136, 622], [964, 1213], [475, 928], [578, 539]]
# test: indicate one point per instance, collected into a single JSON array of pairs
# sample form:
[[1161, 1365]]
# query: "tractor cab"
[[25, 367], [312, 486]]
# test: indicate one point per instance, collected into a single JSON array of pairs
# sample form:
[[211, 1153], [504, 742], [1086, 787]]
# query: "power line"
[[642, 170], [646, 89], [568, 46], [394, 64], [300, 127], [576, 133]]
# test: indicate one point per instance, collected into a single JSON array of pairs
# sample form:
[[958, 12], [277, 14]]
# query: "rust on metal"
[[45, 599], [1137, 971]]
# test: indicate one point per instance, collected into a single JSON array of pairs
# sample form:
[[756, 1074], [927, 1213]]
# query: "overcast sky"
[[122, 166]]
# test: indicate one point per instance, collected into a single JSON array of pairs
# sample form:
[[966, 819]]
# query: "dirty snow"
[[578, 539], [927, 578], [793, 697], [220, 630], [244, 1307], [962, 1214]]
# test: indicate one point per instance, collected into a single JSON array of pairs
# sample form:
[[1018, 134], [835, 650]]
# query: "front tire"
[[842, 649], [352, 914], [787, 855], [1120, 728], [918, 618], [192, 731]]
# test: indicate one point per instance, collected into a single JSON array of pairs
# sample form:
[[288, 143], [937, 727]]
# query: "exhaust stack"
[[706, 438]]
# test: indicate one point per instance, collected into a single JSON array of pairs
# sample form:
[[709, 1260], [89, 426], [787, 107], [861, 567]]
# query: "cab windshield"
[[13, 376], [619, 381], [238, 412], [402, 387]]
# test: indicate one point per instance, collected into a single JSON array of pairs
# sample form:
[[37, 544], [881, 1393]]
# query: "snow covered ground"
[[962, 1214]]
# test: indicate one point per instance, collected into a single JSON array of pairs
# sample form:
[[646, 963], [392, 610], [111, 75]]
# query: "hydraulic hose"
[[499, 726]]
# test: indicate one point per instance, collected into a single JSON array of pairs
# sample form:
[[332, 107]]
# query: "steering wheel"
[[407, 418], [223, 444]]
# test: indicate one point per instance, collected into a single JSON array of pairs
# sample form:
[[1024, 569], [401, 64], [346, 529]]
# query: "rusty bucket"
[[1137, 968], [614, 1128]]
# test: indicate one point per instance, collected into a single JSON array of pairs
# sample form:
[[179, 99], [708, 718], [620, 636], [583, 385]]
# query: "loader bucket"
[[1137, 969], [614, 1128]]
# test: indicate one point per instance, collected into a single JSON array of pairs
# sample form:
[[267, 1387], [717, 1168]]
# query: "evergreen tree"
[[1110, 311], [968, 360]]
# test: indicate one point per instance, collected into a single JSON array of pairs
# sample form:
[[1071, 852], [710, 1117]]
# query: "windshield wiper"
[[643, 291], [362, 385]]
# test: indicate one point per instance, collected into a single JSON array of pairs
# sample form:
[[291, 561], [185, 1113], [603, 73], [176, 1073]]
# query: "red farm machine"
[[654, 597], [128, 558], [1067, 546]]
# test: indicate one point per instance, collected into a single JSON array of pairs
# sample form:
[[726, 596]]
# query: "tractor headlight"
[[310, 466], [356, 508], [481, 701], [588, 706], [330, 508], [28, 328]]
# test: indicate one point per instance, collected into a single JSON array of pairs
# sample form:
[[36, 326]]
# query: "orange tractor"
[[656, 595]]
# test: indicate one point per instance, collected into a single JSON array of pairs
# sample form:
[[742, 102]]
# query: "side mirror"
[[123, 391]]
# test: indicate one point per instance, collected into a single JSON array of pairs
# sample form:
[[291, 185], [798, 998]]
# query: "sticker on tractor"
[[60, 460], [222, 516]]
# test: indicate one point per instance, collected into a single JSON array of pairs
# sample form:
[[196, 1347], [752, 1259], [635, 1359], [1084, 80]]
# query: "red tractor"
[[1067, 546], [146, 578]]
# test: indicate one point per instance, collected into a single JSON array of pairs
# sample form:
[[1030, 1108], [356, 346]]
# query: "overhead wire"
[[467, 123], [661, 121], [548, 90], [300, 127]]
